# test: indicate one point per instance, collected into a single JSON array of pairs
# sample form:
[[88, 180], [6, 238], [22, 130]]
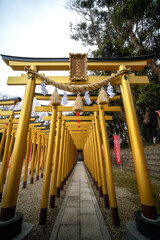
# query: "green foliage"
[[149, 97], [127, 179], [121, 28], [129, 26]]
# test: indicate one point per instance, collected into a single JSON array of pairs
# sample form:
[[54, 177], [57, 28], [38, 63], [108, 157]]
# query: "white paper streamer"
[[43, 88], [65, 99], [87, 98], [110, 91]]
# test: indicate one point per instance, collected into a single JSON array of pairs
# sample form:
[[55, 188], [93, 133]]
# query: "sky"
[[34, 28]]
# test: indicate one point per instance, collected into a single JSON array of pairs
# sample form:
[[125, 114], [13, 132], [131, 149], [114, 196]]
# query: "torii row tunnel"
[[57, 146]]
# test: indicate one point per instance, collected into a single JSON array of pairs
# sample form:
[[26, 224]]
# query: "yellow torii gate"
[[3, 125], [12, 127], [10, 101], [76, 118], [82, 135], [4, 102], [31, 127], [122, 78]]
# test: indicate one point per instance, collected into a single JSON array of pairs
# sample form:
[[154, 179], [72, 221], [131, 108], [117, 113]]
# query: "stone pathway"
[[80, 217]]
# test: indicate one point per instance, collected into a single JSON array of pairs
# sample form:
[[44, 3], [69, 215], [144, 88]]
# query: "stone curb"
[[57, 224], [102, 224]]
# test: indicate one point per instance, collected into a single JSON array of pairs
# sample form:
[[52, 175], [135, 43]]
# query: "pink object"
[[78, 114], [117, 148], [30, 153]]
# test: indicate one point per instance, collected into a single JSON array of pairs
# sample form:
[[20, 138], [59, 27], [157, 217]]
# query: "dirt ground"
[[29, 202], [126, 209]]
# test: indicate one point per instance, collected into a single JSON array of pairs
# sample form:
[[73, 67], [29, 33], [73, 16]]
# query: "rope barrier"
[[78, 88]]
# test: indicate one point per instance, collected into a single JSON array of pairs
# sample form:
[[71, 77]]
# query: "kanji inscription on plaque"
[[78, 67]]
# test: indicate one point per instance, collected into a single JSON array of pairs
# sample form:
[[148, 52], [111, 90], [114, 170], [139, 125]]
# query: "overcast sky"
[[34, 28]]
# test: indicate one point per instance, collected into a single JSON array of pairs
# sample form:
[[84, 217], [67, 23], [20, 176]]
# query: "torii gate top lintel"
[[63, 64]]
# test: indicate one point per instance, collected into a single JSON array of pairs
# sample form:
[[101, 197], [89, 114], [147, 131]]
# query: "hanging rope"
[[78, 88]]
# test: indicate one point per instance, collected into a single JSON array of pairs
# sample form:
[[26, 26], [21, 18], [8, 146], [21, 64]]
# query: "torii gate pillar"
[[13, 181], [147, 221]]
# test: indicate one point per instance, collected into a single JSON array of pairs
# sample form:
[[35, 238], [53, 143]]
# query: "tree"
[[119, 27], [125, 28]]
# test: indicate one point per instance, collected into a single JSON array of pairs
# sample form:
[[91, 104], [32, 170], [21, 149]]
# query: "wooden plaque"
[[78, 67]]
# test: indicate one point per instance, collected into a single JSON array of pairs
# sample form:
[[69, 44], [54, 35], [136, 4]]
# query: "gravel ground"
[[29, 202], [126, 208]]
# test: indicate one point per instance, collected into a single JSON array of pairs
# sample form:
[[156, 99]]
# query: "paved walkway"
[[80, 217]]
